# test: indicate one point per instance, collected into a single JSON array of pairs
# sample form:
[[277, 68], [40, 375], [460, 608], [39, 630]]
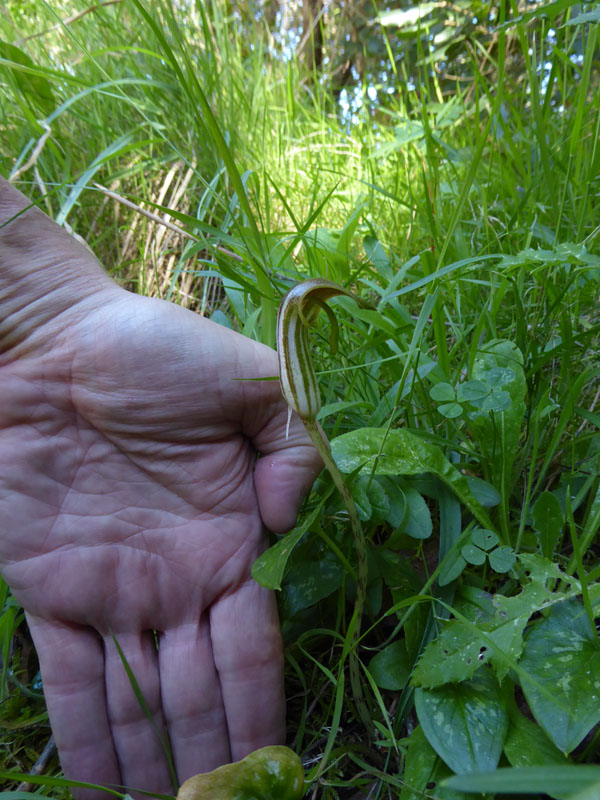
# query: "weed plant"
[[205, 166]]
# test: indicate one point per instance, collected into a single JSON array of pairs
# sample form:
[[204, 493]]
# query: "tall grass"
[[204, 167]]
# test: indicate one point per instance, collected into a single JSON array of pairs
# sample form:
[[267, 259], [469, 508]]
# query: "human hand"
[[133, 505]]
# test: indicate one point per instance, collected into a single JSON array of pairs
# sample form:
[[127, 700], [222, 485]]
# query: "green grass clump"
[[207, 166]]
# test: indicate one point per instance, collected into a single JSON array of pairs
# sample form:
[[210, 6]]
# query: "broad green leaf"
[[417, 522], [424, 771], [547, 517], [562, 654], [483, 491], [442, 393], [358, 489], [378, 498], [370, 497], [472, 390], [37, 88], [558, 781], [513, 613], [307, 582], [399, 452], [465, 723], [450, 657], [484, 539], [502, 559], [497, 423], [455, 655], [450, 410], [410, 16], [397, 501], [473, 555], [390, 668], [452, 571], [378, 257], [269, 568], [527, 745]]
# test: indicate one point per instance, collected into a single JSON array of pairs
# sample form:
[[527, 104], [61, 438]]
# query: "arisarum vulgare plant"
[[298, 311]]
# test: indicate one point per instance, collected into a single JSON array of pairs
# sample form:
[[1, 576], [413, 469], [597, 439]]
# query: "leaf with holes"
[[562, 661], [455, 655], [484, 539], [465, 723]]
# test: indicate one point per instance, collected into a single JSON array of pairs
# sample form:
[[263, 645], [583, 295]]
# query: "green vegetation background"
[[442, 160]]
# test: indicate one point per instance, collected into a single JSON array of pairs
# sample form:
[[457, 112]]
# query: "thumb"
[[285, 471]]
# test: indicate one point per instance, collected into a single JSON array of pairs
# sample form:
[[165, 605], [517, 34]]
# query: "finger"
[[49, 240], [249, 658], [192, 701], [72, 667], [286, 470], [139, 742]]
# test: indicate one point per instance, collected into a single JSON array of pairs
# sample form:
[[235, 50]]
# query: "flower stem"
[[321, 443]]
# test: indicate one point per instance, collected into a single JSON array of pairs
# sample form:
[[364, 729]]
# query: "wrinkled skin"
[[132, 503]]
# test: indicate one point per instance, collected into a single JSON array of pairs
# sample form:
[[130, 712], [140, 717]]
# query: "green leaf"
[[309, 581], [473, 555], [554, 780], [455, 655], [465, 723], [452, 571], [450, 656], [417, 522], [399, 452], [410, 16], [469, 391], [483, 491], [497, 422], [484, 539], [527, 745], [423, 772], [358, 489], [23, 796], [397, 501], [562, 654], [269, 568], [581, 19], [378, 498], [498, 400], [390, 667], [450, 410], [442, 393], [37, 88], [547, 517], [502, 559], [337, 408]]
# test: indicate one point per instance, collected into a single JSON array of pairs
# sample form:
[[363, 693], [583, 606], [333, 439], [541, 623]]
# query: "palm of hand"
[[134, 508]]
